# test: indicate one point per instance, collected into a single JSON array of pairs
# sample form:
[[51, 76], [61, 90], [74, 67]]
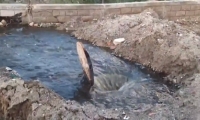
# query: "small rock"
[[123, 113], [160, 41], [126, 117], [4, 22], [41, 25], [148, 13], [174, 81], [1, 24], [118, 41], [86, 18], [36, 25], [8, 69], [112, 47], [57, 24], [31, 24], [35, 106], [60, 28], [48, 24]]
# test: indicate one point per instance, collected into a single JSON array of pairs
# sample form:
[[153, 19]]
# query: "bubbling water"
[[51, 57]]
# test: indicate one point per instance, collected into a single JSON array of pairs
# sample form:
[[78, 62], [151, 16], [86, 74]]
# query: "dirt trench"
[[20, 100], [164, 46]]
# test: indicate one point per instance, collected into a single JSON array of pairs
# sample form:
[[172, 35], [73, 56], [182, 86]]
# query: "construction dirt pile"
[[29, 100], [191, 25], [168, 47], [162, 45], [20, 100]]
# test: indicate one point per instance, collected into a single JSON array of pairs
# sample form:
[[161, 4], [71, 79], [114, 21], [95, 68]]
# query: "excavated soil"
[[191, 25], [22, 100], [162, 45], [167, 47]]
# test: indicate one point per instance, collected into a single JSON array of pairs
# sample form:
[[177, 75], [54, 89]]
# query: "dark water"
[[51, 57]]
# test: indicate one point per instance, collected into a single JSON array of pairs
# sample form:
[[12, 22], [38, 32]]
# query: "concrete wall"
[[64, 12]]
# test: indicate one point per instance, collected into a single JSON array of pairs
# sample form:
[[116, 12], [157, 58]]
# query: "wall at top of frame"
[[65, 12]]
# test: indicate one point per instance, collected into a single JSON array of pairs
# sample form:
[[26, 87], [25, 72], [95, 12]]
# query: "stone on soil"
[[118, 41]]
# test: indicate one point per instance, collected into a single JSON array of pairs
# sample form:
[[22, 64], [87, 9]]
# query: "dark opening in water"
[[51, 57]]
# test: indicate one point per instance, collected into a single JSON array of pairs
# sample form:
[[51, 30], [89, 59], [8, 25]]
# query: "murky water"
[[51, 57]]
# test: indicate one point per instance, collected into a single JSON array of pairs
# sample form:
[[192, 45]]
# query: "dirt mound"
[[20, 100], [29, 100], [163, 45], [191, 25]]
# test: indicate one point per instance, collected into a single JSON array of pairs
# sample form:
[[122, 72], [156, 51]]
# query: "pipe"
[[88, 75]]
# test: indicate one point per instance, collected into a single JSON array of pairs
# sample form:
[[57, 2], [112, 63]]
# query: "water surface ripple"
[[51, 57]]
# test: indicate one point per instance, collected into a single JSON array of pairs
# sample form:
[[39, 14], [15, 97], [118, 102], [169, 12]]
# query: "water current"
[[50, 56]]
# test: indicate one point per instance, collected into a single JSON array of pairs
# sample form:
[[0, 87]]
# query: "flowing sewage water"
[[51, 57]]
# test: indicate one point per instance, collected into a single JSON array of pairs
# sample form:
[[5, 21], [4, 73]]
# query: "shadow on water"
[[51, 57]]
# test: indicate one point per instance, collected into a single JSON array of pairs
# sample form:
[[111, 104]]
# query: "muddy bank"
[[162, 45], [137, 101], [171, 48], [11, 20], [32, 101]]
